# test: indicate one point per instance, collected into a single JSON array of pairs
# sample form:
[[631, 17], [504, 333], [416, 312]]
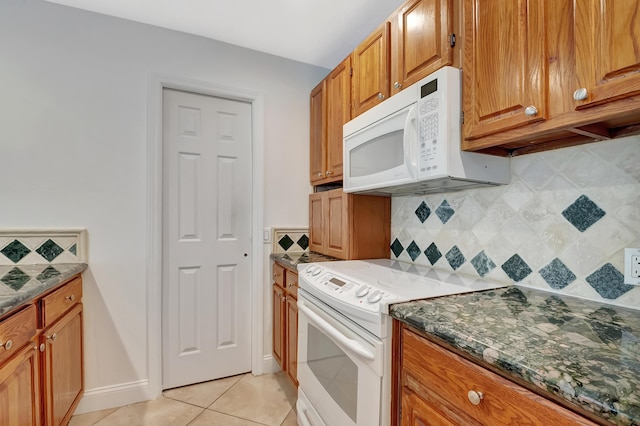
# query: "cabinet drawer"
[[60, 301], [445, 379], [292, 284], [278, 274], [18, 329]]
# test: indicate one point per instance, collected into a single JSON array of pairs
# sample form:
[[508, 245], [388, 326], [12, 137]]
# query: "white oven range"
[[344, 334]]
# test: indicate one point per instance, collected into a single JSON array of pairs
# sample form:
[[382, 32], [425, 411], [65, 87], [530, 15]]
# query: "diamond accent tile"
[[49, 250], [444, 212], [73, 250], [15, 251], [482, 263], [583, 213], [423, 212], [396, 248], [15, 279], [557, 275], [413, 250], [432, 253], [455, 257], [608, 282], [285, 242], [49, 272], [516, 268], [303, 242]]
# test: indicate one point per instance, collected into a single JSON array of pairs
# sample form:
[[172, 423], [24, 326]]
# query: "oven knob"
[[362, 291], [374, 297]]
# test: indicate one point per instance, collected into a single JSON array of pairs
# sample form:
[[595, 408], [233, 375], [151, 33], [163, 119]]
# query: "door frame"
[[157, 83]]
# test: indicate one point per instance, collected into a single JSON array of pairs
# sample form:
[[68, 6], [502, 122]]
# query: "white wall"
[[73, 141]]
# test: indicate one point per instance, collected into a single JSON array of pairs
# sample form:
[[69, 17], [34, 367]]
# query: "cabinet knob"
[[7, 345], [42, 347], [397, 85], [53, 337], [474, 397], [319, 174], [328, 173], [531, 111], [380, 96], [70, 298], [275, 275], [284, 298], [581, 94]]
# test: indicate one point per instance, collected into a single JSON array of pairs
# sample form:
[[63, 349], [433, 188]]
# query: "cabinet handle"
[[581, 94], [53, 337], [328, 173], [292, 285], [319, 174], [475, 397], [284, 298], [7, 345], [275, 275], [42, 347], [531, 111], [70, 298], [380, 96], [397, 85]]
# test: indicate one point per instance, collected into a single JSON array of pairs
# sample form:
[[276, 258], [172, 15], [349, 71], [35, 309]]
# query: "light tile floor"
[[243, 400]]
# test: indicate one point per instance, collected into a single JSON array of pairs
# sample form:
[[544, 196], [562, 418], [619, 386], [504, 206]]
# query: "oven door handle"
[[354, 346]]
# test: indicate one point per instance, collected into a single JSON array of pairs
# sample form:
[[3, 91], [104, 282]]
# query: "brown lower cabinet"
[[434, 386], [41, 370], [285, 320]]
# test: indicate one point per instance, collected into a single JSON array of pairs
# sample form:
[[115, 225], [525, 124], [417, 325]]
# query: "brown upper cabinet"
[[422, 42], [371, 70], [330, 109], [548, 74], [608, 51]]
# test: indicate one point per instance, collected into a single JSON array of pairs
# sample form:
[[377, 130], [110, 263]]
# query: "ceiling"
[[317, 32]]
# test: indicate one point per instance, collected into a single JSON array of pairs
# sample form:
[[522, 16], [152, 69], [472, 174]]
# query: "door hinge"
[[462, 118], [452, 40], [350, 70]]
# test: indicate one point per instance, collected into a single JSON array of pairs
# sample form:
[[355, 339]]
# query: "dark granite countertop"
[[585, 352], [21, 284], [293, 259]]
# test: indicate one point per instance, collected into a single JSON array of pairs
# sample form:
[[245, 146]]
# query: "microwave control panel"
[[431, 147]]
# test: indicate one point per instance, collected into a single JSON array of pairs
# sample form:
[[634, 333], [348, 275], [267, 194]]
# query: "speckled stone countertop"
[[21, 284], [293, 259], [585, 352]]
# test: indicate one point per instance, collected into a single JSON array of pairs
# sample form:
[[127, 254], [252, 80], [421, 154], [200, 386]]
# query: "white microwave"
[[410, 143]]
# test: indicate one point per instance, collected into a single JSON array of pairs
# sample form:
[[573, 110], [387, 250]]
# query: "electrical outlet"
[[632, 266]]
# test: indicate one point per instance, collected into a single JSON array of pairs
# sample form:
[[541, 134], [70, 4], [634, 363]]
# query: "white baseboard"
[[114, 396], [269, 365]]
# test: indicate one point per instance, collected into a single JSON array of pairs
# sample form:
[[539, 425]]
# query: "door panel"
[[206, 237], [608, 49]]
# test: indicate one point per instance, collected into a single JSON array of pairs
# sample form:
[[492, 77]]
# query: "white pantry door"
[[206, 317]]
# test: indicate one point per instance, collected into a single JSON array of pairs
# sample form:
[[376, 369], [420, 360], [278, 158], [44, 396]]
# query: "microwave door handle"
[[410, 135], [352, 345]]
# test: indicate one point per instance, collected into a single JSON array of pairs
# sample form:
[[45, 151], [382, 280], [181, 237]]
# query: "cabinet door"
[[504, 66], [371, 70], [316, 223], [63, 367], [416, 412], [422, 45], [336, 232], [19, 389], [338, 113], [607, 49], [292, 339], [318, 132], [279, 300]]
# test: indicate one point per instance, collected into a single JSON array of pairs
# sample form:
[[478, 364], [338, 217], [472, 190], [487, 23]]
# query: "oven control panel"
[[361, 295]]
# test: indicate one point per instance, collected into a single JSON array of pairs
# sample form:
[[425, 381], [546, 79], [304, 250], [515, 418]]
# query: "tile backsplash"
[[290, 240], [561, 224], [42, 246]]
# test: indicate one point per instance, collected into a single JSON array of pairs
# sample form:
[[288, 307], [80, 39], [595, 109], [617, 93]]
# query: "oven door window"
[[335, 371]]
